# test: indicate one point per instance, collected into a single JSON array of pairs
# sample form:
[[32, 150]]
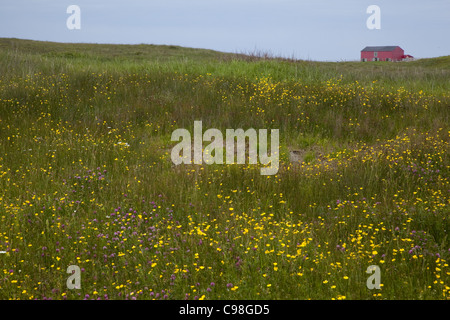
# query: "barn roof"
[[380, 48]]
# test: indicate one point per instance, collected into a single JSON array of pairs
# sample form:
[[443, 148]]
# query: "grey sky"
[[308, 29]]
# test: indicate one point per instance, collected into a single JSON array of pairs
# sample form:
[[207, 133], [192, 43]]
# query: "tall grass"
[[86, 176]]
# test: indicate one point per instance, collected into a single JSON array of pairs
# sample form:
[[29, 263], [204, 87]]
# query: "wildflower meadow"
[[87, 180]]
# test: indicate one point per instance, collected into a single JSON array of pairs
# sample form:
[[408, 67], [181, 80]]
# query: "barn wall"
[[395, 55], [398, 53]]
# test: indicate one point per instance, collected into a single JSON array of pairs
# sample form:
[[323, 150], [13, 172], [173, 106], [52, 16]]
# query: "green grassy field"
[[86, 176]]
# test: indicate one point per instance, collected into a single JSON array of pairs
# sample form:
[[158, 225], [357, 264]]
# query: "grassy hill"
[[86, 176], [433, 73]]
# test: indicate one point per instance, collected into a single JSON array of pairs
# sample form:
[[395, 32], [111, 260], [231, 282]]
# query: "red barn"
[[383, 53]]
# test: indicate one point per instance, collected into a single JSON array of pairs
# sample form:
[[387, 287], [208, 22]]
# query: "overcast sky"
[[321, 30]]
